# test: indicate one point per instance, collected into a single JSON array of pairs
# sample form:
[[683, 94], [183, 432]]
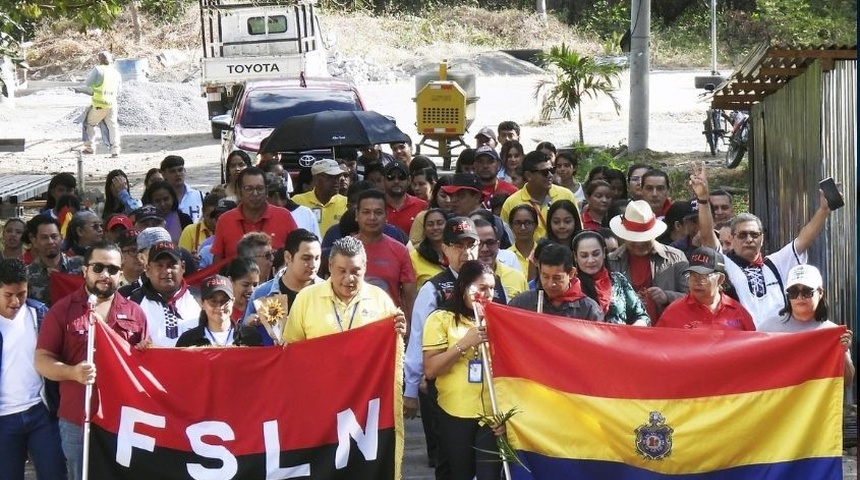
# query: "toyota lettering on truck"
[[265, 61], [248, 40]]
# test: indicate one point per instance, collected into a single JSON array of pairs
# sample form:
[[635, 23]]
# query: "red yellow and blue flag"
[[601, 401]]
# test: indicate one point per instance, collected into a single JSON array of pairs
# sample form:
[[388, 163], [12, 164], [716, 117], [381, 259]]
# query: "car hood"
[[249, 138]]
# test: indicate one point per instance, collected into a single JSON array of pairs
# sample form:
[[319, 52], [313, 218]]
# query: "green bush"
[[588, 157], [607, 17], [164, 11]]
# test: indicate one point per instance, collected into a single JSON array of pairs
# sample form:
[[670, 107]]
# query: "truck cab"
[[246, 40]]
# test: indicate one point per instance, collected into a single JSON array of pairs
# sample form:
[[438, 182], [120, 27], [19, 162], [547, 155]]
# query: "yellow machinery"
[[445, 108]]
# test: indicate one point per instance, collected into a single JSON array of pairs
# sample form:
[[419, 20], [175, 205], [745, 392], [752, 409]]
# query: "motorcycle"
[[739, 138]]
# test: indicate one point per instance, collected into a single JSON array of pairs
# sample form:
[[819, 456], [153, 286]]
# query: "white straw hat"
[[638, 223]]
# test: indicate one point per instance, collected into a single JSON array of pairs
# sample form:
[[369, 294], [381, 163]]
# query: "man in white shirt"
[[170, 308], [758, 280], [190, 200], [25, 423]]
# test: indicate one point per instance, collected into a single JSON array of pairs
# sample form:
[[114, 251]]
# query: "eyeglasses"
[[635, 179], [544, 171], [744, 235], [489, 243], [270, 255], [392, 177], [462, 245], [218, 303], [101, 267], [805, 292], [699, 277], [523, 223], [251, 189]]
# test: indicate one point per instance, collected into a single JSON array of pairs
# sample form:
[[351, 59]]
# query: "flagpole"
[[488, 373], [88, 392], [540, 301]]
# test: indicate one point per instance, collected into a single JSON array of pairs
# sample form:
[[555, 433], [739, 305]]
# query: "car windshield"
[[267, 109]]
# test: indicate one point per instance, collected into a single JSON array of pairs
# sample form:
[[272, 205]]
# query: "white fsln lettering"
[[195, 435], [127, 438], [273, 456], [367, 439]]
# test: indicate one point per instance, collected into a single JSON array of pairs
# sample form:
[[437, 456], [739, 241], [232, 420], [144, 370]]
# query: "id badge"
[[476, 373]]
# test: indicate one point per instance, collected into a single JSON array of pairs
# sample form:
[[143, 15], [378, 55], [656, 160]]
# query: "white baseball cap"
[[805, 275]]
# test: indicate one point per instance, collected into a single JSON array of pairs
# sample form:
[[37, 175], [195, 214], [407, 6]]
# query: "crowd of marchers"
[[271, 259]]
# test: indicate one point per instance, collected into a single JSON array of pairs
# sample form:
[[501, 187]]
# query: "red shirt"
[[404, 217], [64, 333], [388, 266], [277, 222], [500, 186], [588, 222], [640, 279], [687, 313]]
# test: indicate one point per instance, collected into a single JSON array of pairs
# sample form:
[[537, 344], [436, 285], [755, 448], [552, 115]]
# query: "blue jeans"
[[31, 431], [72, 439]]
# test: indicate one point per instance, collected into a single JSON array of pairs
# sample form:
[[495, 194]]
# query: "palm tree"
[[576, 77]]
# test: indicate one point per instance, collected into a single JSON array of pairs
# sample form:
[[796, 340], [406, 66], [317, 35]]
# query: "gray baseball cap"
[[152, 235]]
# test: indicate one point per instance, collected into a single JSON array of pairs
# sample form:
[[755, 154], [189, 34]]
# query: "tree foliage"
[[19, 18], [577, 77]]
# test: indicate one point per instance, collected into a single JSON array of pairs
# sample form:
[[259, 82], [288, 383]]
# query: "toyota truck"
[[251, 40]]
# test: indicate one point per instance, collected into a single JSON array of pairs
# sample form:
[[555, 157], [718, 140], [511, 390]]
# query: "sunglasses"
[[270, 255], [392, 177], [805, 292], [744, 235], [101, 267], [544, 171]]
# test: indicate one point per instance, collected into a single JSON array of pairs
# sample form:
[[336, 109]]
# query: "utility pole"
[[540, 7], [640, 65]]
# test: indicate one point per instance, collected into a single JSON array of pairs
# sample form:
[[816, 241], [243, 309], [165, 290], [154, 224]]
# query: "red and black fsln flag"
[[327, 408]]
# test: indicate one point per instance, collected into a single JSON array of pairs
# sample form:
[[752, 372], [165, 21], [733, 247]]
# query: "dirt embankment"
[[167, 115]]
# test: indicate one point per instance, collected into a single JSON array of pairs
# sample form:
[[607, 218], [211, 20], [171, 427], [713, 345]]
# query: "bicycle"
[[738, 139], [716, 124]]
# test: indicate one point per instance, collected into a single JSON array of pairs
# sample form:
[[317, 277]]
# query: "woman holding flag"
[[806, 309], [452, 356]]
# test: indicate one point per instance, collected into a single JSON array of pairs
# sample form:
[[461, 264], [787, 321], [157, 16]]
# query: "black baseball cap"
[[146, 212], [460, 181], [459, 228], [705, 260], [397, 166], [216, 283], [161, 249]]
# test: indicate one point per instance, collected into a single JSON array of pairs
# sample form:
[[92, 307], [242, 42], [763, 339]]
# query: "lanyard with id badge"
[[475, 370]]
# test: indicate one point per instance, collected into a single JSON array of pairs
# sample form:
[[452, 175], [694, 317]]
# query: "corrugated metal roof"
[[769, 67]]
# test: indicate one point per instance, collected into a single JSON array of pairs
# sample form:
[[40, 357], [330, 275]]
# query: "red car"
[[261, 106]]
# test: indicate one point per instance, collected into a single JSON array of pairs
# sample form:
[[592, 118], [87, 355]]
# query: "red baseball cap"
[[120, 220]]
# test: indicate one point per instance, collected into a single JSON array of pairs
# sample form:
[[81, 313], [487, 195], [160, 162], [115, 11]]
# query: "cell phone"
[[831, 193]]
